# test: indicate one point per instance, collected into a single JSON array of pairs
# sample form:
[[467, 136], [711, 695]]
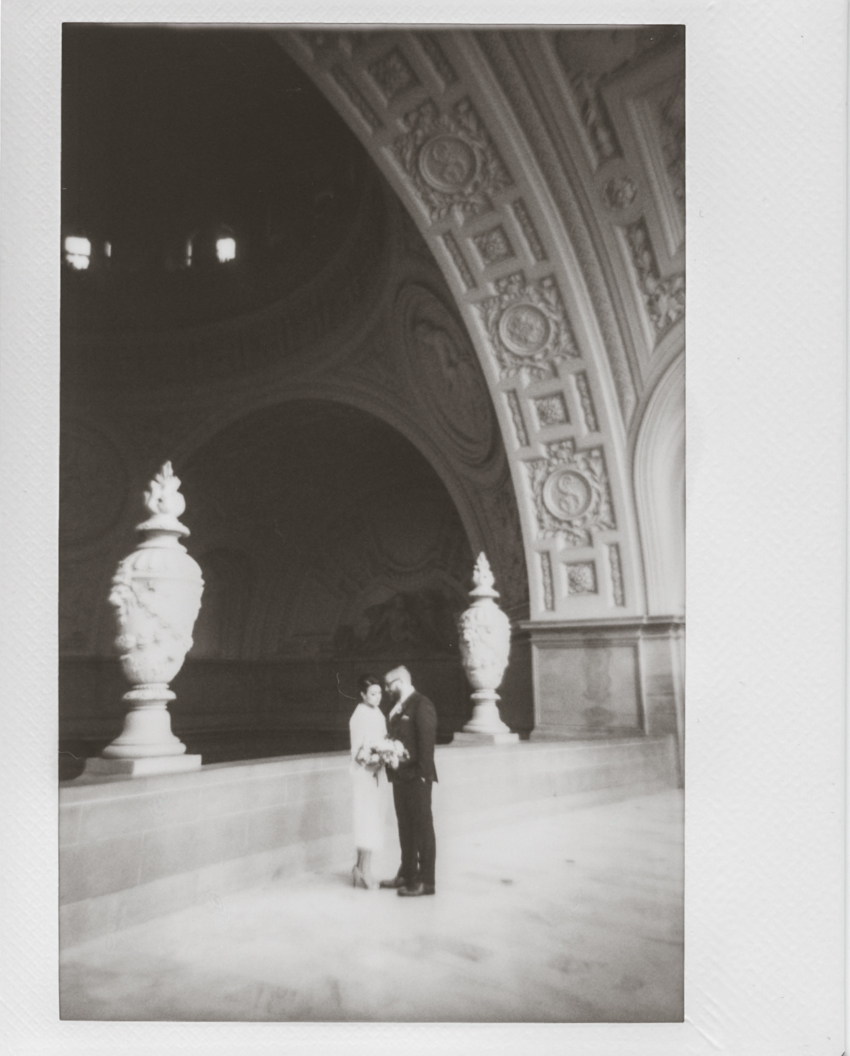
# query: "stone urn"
[[485, 643], [156, 594]]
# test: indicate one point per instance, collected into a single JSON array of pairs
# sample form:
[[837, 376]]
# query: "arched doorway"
[[330, 547]]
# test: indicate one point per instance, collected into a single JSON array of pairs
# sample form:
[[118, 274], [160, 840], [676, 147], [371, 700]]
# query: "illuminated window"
[[78, 252], [225, 249], [188, 258], [107, 248]]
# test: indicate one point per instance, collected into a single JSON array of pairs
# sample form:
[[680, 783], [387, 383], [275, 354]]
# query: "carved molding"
[[617, 587], [528, 326], [459, 261], [357, 99], [529, 231], [658, 117], [516, 414], [441, 66], [571, 493], [450, 161], [548, 582], [586, 400]]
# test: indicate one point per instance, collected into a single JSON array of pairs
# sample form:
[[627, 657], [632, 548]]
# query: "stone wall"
[[133, 849]]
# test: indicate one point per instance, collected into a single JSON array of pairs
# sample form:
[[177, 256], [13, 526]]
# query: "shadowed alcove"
[[329, 547]]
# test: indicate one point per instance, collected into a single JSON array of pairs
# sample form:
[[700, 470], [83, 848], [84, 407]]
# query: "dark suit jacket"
[[416, 727]]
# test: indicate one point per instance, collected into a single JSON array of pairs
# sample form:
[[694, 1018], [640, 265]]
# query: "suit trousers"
[[415, 829]]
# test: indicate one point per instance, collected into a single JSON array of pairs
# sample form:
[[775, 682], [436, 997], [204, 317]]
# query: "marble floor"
[[564, 915]]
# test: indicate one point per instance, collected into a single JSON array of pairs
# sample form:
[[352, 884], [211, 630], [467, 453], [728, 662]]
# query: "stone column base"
[[158, 764], [464, 737]]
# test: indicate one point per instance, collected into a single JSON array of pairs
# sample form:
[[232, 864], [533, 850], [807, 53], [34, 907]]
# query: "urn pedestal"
[[484, 632], [156, 594]]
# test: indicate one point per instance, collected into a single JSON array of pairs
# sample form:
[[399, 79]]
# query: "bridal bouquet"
[[382, 753]]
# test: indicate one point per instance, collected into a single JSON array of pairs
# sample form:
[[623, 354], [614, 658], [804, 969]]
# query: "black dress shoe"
[[397, 881], [415, 890]]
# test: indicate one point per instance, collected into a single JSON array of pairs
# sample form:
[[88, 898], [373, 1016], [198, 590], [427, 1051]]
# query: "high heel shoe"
[[357, 878]]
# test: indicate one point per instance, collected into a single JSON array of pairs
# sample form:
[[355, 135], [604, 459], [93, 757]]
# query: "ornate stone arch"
[[544, 193], [659, 477]]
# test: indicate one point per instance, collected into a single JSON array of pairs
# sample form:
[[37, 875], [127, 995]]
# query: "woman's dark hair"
[[365, 681]]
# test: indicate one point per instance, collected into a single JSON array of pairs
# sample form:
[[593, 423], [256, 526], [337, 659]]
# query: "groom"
[[413, 721]]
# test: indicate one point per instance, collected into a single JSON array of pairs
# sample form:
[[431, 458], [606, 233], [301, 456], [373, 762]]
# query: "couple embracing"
[[399, 750]]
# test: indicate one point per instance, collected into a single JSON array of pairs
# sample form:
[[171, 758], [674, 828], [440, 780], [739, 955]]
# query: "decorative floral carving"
[[548, 582], [454, 251], [664, 298], [528, 229], [551, 410], [619, 192], [516, 414], [493, 246], [356, 98], [392, 75], [571, 493], [586, 400], [616, 574], [451, 161], [436, 56], [581, 578], [528, 326]]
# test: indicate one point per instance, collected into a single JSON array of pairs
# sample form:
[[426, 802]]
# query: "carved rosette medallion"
[[528, 326], [551, 410], [566, 494], [619, 192], [451, 161], [571, 492], [581, 578], [493, 246]]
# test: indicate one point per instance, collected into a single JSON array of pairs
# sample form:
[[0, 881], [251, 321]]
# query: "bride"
[[368, 729]]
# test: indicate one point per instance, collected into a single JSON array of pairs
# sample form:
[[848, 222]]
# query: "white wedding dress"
[[367, 726]]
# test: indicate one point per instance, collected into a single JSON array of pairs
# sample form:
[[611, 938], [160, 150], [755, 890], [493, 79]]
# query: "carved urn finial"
[[156, 594], [485, 643]]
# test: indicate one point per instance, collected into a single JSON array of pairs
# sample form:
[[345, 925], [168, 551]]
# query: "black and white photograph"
[[372, 524], [374, 491]]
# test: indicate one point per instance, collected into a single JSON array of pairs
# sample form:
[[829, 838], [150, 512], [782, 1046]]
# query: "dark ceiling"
[[177, 133]]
